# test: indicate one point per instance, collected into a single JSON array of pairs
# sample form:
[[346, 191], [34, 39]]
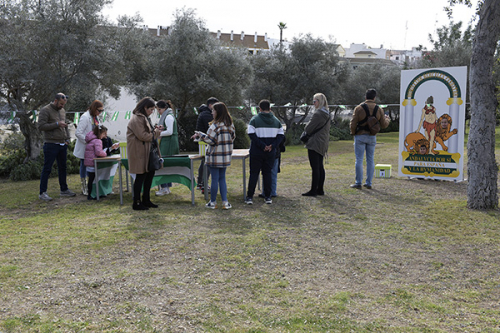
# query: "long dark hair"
[[162, 104], [222, 115], [145, 103]]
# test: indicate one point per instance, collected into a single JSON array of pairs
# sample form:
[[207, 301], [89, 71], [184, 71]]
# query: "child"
[[93, 150], [219, 137]]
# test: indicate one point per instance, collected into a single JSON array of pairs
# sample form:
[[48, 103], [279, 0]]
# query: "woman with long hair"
[[88, 121], [317, 145], [140, 134], [219, 137]]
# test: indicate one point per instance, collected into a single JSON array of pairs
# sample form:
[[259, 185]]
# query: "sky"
[[393, 24]]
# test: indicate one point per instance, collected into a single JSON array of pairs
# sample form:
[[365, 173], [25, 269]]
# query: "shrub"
[[13, 155], [186, 127], [242, 140], [340, 130]]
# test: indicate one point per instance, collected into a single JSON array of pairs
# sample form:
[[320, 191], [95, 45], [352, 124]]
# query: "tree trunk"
[[33, 143], [482, 168]]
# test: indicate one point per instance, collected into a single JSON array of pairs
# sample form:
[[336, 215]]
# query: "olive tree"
[[292, 78], [188, 65], [52, 46]]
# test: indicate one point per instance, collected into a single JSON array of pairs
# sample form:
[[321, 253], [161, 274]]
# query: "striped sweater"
[[265, 129], [219, 138]]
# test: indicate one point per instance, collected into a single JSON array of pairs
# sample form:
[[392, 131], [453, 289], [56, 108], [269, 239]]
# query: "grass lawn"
[[406, 256]]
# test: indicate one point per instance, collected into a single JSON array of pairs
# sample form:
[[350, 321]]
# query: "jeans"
[[318, 171], [218, 181], [258, 162], [362, 143], [83, 169], [274, 178], [54, 152]]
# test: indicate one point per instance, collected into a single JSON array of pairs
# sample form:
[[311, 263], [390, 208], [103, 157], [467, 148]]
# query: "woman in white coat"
[[88, 121]]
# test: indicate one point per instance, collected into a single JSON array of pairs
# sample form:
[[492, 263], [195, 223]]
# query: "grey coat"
[[319, 140]]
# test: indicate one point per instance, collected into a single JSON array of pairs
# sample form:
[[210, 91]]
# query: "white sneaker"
[[163, 191], [226, 205], [211, 205], [44, 196]]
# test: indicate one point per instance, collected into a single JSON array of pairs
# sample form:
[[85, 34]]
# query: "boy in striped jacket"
[[265, 133]]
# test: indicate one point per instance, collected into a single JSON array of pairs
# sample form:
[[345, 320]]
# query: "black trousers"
[[258, 162], [143, 179], [318, 171]]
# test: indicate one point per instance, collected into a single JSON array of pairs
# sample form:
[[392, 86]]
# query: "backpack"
[[372, 123]]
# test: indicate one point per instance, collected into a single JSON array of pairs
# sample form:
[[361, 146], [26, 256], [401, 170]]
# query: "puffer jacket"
[[93, 149]]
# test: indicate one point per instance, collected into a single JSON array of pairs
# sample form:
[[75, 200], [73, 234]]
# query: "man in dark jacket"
[[204, 117], [266, 134]]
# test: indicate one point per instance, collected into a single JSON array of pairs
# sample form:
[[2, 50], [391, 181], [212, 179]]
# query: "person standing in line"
[[220, 137], [88, 121], [140, 134], [93, 149], [266, 134], [52, 122], [317, 145], [202, 124], [274, 172], [364, 141], [169, 141]]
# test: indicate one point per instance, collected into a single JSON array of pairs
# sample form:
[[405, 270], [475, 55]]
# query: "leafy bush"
[[186, 127], [13, 155], [292, 135], [242, 140], [340, 130]]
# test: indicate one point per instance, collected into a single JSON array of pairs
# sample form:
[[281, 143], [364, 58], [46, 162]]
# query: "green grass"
[[407, 256]]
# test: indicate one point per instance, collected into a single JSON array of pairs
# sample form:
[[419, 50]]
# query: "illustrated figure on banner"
[[435, 130], [429, 122]]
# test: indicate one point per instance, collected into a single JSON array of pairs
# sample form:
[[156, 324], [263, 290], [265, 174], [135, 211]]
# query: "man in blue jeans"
[[364, 141], [52, 122]]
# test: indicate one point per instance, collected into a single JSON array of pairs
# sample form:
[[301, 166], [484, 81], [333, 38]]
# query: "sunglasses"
[[100, 110]]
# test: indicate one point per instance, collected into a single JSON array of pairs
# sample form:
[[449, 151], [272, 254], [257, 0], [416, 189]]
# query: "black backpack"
[[370, 123]]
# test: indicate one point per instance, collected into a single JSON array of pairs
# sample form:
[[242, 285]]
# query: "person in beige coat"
[[140, 134]]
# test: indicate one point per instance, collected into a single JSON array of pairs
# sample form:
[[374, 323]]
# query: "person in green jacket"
[[169, 140]]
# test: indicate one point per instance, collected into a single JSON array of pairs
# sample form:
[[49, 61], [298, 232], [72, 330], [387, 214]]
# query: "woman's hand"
[[196, 135]]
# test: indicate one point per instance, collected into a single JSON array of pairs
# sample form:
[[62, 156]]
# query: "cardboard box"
[[383, 170]]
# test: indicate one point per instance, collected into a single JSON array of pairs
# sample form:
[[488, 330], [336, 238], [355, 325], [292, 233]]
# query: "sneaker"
[[367, 186], [163, 191], [268, 201], [211, 205], [68, 193], [226, 205], [249, 201], [203, 190], [356, 186], [44, 196]]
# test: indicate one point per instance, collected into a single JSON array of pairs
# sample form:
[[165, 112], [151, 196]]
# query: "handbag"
[[155, 162], [304, 137]]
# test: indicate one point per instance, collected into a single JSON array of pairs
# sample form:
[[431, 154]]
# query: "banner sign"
[[432, 122]]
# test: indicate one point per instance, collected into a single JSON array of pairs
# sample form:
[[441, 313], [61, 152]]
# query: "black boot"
[[137, 205], [148, 203]]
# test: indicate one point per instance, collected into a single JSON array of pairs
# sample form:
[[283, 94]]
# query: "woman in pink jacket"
[[93, 149]]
